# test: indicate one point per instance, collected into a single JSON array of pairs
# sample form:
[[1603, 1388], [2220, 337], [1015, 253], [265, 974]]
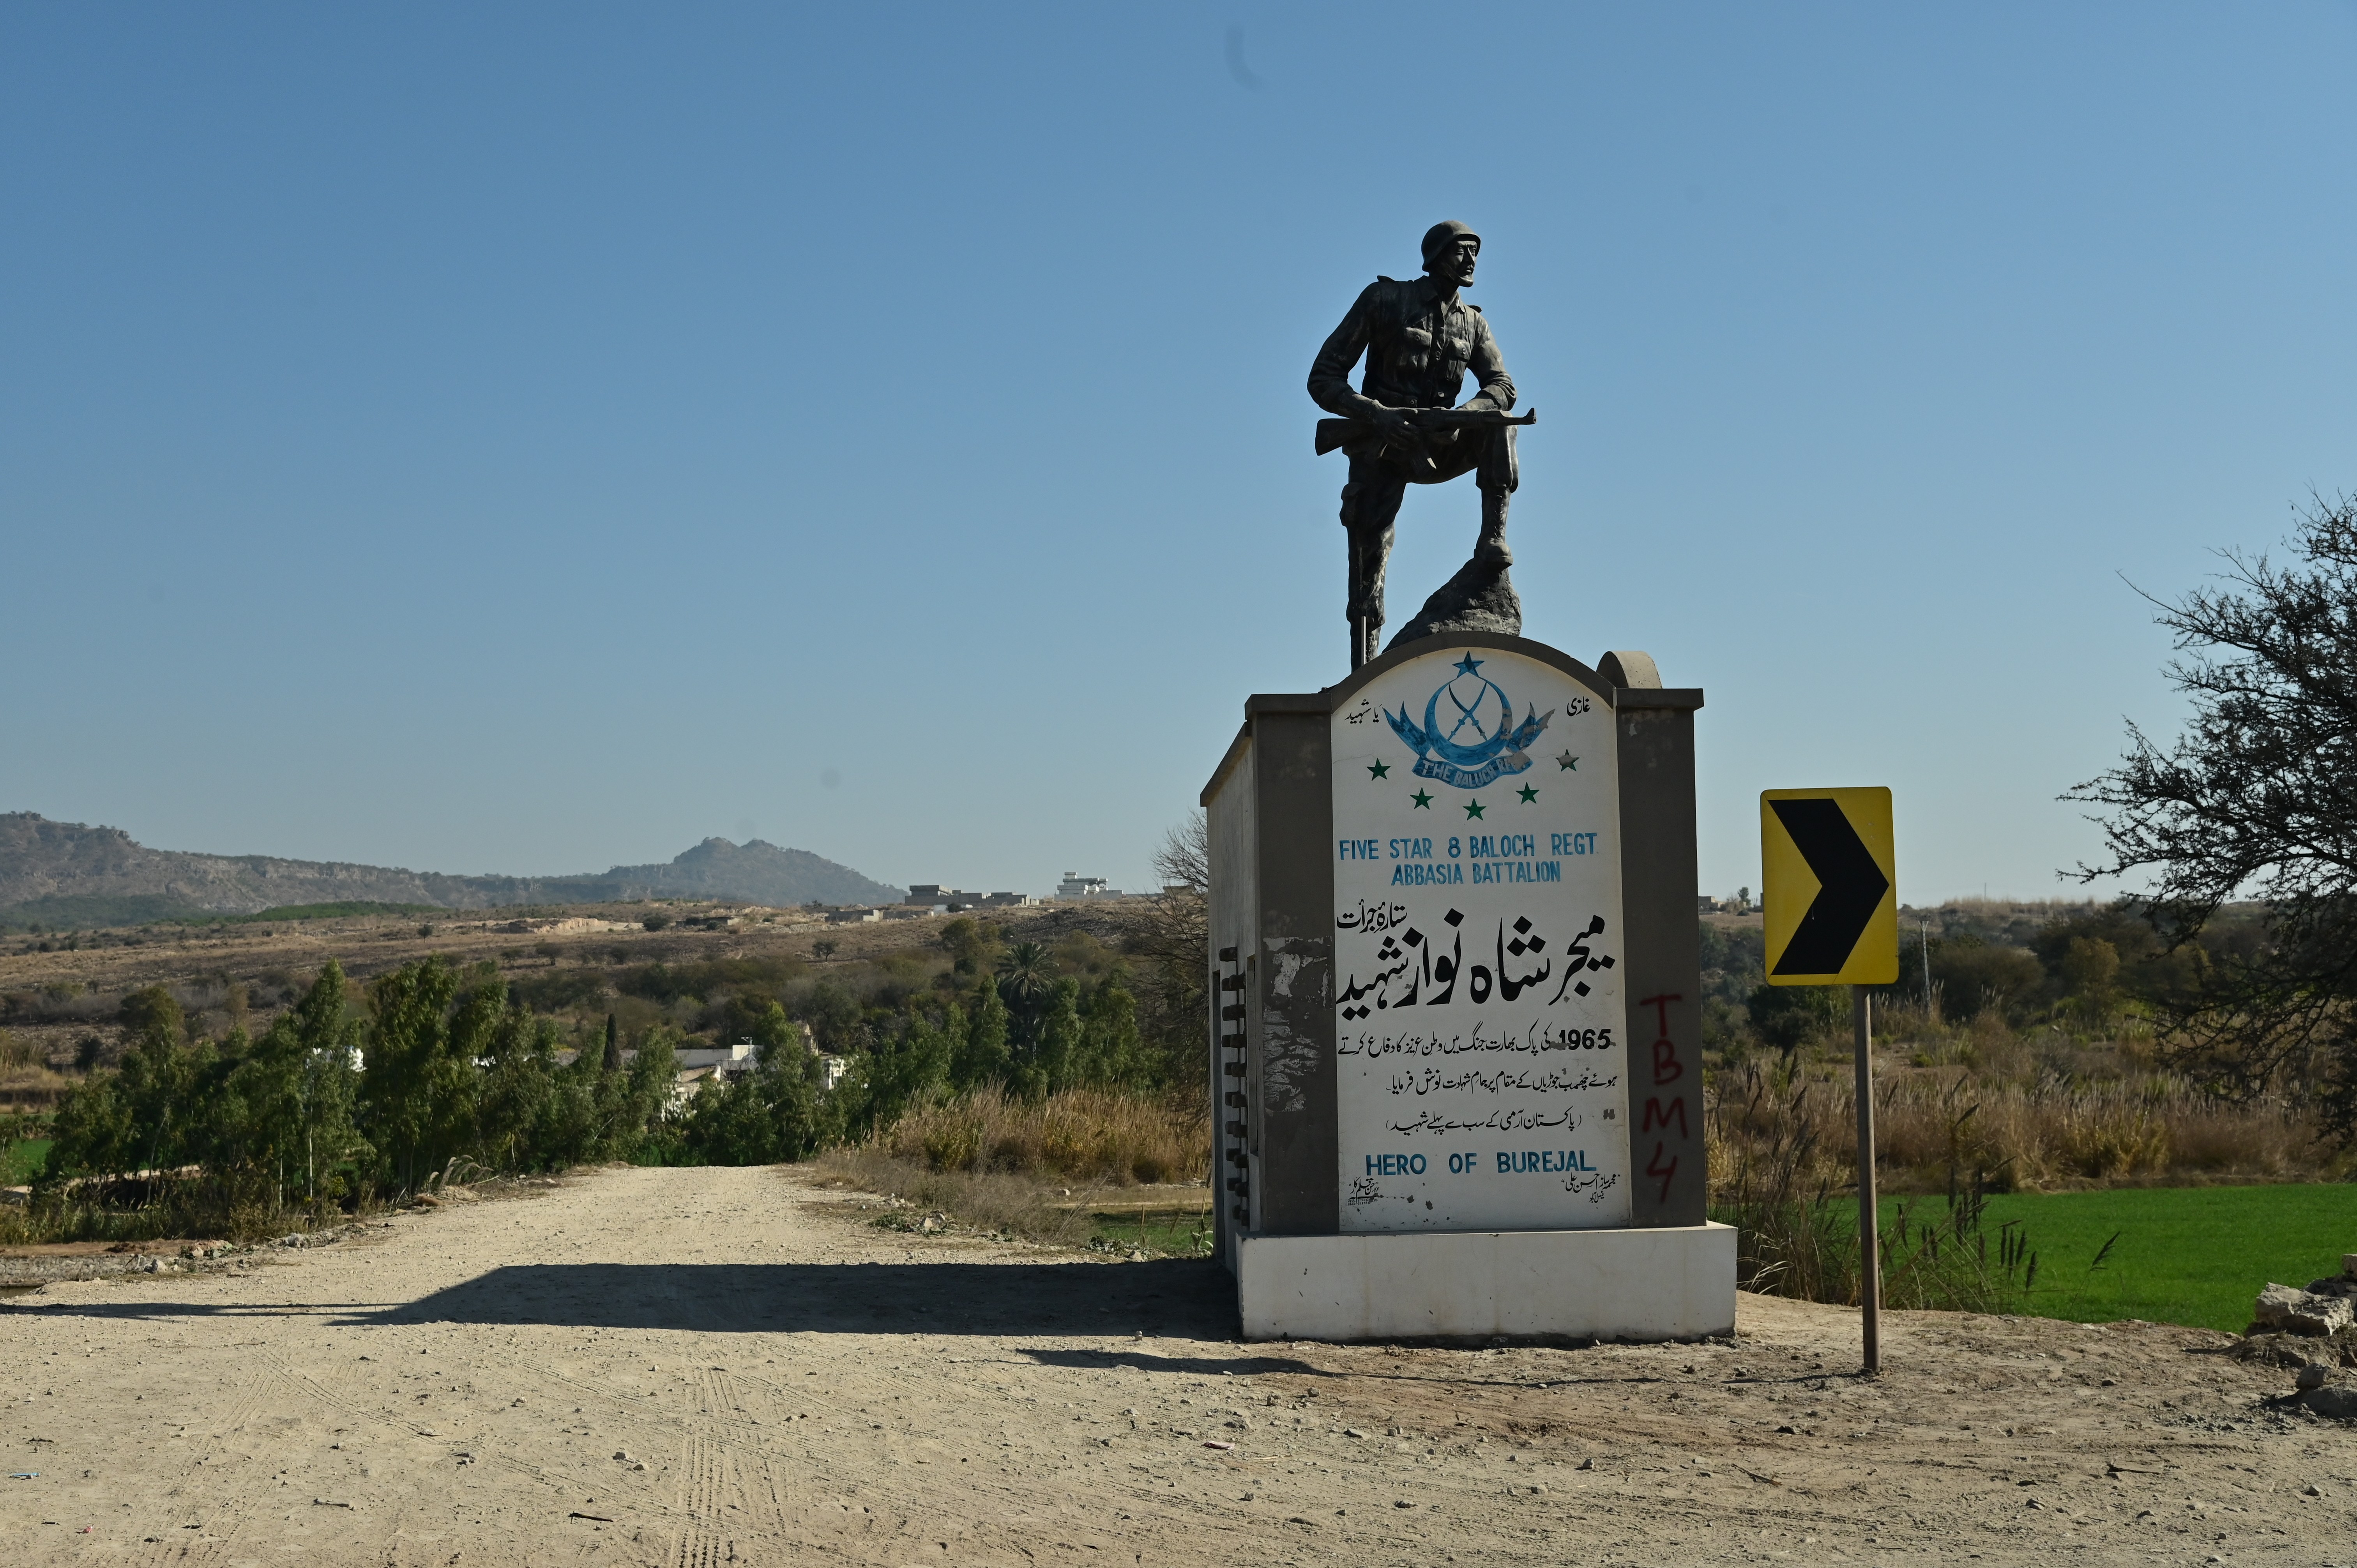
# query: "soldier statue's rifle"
[[1337, 432]]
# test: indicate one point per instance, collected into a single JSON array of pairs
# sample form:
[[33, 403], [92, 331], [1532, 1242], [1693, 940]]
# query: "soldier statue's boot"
[[1491, 549]]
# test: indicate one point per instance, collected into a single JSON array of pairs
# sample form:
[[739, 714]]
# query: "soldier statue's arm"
[[1362, 416], [1329, 373], [1489, 367]]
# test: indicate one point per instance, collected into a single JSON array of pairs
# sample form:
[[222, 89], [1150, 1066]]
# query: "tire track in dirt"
[[702, 1486], [819, 1415], [209, 1548], [561, 1491]]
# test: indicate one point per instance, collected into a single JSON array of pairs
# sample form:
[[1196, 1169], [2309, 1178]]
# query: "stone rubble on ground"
[[2325, 1307], [2315, 1331], [2291, 1311]]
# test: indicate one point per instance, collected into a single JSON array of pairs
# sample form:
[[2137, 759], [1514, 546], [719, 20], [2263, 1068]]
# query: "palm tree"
[[1026, 974], [1026, 983]]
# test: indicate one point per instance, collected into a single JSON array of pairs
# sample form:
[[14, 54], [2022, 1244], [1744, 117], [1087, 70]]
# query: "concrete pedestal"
[[1666, 1282]]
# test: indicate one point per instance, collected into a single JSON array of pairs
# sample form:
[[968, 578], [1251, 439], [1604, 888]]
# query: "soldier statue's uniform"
[[1420, 340]]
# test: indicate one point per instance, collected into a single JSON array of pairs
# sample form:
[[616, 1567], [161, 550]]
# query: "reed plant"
[[1077, 1135], [998, 1201], [1029, 1168], [2044, 1130], [1786, 1170]]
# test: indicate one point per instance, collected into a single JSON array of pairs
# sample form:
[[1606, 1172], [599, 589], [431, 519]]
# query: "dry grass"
[[27, 1082], [1936, 1127], [995, 1162], [985, 1200], [1782, 1150], [1080, 1135], [1784, 1158]]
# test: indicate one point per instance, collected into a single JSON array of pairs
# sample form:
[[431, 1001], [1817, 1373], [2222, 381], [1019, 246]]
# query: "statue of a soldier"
[[1402, 426]]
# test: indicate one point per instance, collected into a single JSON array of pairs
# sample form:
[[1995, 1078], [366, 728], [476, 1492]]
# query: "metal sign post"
[[1832, 917], [1870, 1231]]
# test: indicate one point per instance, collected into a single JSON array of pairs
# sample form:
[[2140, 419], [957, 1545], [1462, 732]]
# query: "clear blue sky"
[[529, 438]]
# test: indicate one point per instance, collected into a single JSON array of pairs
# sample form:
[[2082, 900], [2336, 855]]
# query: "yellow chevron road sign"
[[1831, 891]]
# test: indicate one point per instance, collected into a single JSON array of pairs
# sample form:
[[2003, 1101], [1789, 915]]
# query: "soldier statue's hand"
[[1391, 421]]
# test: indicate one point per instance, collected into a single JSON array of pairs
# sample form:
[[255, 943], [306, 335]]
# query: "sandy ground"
[[690, 1367]]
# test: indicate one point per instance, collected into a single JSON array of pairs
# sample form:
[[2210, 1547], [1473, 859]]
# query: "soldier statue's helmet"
[[1440, 236]]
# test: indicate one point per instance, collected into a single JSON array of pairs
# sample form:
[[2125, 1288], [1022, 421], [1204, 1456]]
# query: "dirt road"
[[690, 1367]]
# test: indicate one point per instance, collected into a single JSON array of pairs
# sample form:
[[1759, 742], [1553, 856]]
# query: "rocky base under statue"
[[1480, 598]]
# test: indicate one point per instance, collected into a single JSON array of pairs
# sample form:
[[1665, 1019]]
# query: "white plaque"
[[1480, 1024]]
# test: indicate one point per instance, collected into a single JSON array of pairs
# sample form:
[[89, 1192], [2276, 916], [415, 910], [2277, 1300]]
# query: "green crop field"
[[2185, 1255], [24, 1161], [1186, 1231]]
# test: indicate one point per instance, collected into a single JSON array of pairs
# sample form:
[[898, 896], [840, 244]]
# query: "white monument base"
[[1672, 1283]]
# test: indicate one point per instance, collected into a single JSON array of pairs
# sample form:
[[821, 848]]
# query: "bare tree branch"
[[2257, 798]]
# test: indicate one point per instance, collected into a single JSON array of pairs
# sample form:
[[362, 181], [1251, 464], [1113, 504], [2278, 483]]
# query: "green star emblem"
[[1472, 808], [1423, 801], [1527, 793], [1379, 769], [1568, 762]]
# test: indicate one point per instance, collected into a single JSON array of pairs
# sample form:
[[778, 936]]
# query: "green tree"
[[1172, 946], [649, 1081], [118, 1122], [981, 1057], [1788, 1017], [775, 1037], [252, 1117], [158, 1082], [1027, 981], [835, 1017], [2252, 800], [153, 1013], [92, 1134], [727, 1123], [972, 945], [1113, 1054], [1056, 1061], [328, 1038], [513, 1113], [761, 1117], [417, 1090], [1974, 976]]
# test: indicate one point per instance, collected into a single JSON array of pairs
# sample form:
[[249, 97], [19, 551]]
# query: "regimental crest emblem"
[[1475, 740]]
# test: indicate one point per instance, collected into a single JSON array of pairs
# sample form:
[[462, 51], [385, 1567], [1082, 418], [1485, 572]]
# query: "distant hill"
[[757, 873], [67, 873]]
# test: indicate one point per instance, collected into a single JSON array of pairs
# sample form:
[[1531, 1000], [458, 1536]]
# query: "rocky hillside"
[[89, 875], [757, 872]]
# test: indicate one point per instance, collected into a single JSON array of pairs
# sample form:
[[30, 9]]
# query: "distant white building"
[[1075, 886], [717, 1056], [709, 1064], [936, 899], [701, 1065]]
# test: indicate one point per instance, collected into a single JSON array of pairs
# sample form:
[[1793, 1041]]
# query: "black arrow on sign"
[[1850, 885]]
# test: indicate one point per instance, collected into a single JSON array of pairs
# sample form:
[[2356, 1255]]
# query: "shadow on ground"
[[1175, 1298]]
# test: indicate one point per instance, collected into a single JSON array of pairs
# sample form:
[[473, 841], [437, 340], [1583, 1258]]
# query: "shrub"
[[1080, 1134], [1977, 977]]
